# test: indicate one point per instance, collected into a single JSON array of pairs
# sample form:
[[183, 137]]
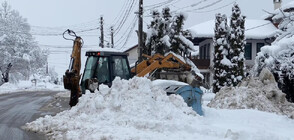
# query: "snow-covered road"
[[22, 107]]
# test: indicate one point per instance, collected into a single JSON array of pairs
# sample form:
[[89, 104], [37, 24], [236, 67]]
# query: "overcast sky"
[[80, 15]]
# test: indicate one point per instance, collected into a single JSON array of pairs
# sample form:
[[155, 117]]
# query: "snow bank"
[[130, 109], [137, 109], [261, 93], [7, 88]]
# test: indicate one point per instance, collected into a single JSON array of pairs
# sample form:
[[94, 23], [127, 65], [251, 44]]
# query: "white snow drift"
[[261, 93], [136, 109]]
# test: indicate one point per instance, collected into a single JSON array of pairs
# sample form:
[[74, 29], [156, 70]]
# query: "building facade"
[[258, 33]]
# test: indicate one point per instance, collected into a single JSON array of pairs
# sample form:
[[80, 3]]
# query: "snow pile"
[[138, 109], [129, 110], [261, 93]]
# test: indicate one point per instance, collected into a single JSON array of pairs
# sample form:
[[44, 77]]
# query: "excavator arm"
[[158, 61], [72, 75]]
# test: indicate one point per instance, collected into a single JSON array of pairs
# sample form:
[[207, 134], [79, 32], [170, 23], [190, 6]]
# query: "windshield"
[[120, 67], [102, 70], [90, 68]]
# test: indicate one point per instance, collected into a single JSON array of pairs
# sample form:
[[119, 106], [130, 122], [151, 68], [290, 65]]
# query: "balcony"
[[201, 63]]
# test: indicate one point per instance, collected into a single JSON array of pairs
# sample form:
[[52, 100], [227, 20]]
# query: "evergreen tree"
[[222, 64], [156, 32], [237, 44], [165, 34], [179, 43]]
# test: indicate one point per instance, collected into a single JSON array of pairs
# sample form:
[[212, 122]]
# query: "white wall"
[[133, 55]]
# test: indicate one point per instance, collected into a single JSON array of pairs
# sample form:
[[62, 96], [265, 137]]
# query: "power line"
[[258, 26], [81, 31], [150, 7], [124, 19], [212, 10], [124, 38], [117, 18]]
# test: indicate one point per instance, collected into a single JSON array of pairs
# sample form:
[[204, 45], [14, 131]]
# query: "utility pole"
[[47, 69], [140, 31], [112, 42], [102, 34]]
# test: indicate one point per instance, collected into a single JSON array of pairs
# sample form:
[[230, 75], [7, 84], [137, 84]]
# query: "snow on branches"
[[221, 51], [165, 34], [229, 45], [279, 56], [237, 43]]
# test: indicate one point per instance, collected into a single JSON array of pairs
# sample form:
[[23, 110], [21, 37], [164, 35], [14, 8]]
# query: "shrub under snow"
[[261, 93]]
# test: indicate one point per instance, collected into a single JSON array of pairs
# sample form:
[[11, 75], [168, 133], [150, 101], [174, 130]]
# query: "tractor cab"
[[102, 67]]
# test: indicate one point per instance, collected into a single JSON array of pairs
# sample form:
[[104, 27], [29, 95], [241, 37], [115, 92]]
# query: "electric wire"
[[124, 39], [117, 18], [127, 14], [212, 10]]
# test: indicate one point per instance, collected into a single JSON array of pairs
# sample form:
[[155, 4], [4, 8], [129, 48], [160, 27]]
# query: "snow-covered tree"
[[237, 44], [17, 46], [156, 35], [279, 56], [222, 65], [165, 34], [179, 43]]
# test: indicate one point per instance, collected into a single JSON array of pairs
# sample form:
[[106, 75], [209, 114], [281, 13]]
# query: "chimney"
[[277, 4]]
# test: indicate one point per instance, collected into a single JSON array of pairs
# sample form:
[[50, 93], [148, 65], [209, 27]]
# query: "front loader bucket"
[[71, 82]]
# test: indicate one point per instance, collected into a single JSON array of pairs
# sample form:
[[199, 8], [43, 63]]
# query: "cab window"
[[89, 68], [120, 67], [102, 70]]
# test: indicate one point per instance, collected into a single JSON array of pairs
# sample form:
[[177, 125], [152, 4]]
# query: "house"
[[257, 32]]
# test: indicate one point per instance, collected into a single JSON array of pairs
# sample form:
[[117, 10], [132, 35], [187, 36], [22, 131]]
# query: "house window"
[[248, 51], [205, 51], [258, 47]]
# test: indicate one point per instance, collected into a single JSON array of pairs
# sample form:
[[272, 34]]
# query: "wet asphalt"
[[17, 109]]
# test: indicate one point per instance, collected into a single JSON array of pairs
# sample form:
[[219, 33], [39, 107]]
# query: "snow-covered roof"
[[254, 29]]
